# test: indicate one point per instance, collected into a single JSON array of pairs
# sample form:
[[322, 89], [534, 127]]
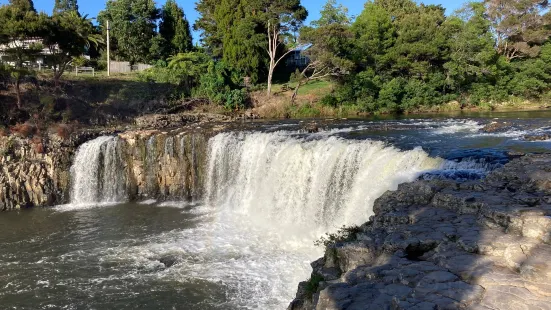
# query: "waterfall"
[[319, 183], [98, 173]]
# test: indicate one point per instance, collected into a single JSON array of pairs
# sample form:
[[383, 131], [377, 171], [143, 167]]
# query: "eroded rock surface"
[[446, 245], [37, 172]]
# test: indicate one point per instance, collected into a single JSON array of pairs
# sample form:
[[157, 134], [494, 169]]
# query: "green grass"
[[317, 87]]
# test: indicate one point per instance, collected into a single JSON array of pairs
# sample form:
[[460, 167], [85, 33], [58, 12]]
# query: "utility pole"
[[108, 51]]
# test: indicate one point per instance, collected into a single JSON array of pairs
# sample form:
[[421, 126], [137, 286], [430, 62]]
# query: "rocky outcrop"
[[158, 164], [36, 172], [165, 165], [160, 121], [445, 245]]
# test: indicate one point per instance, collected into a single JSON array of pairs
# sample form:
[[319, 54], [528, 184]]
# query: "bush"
[[344, 234], [63, 131], [296, 76], [23, 130], [329, 101], [236, 99], [313, 284]]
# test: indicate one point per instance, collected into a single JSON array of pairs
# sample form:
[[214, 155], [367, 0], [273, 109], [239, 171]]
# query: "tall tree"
[[23, 5], [375, 34], [61, 6], [330, 42], [207, 24], [68, 36], [472, 53], [421, 44], [396, 8], [174, 29], [20, 26], [133, 25], [332, 13], [242, 37], [282, 18], [520, 26]]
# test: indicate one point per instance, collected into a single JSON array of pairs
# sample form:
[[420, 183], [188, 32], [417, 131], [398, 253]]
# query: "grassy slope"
[[308, 104]]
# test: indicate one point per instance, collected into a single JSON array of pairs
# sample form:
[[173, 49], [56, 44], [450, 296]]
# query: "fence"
[[124, 67]]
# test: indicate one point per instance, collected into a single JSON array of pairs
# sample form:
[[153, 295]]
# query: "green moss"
[[313, 284]]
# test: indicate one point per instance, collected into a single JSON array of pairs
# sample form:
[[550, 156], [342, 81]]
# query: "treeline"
[[140, 32], [26, 35], [401, 56], [396, 56]]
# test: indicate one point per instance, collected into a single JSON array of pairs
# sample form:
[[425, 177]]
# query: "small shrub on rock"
[[345, 234], [63, 131], [313, 284], [25, 130]]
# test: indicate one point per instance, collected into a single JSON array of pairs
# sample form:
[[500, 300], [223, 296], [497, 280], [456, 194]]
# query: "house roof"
[[302, 47]]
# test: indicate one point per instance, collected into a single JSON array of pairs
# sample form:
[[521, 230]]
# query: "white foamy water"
[[98, 175], [455, 126], [269, 196], [316, 185]]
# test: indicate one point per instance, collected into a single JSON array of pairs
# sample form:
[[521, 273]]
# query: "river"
[[270, 193]]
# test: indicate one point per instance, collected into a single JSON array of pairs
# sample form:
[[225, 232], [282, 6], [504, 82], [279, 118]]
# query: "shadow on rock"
[[446, 245]]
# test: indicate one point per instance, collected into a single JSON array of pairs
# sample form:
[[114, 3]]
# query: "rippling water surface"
[[247, 245]]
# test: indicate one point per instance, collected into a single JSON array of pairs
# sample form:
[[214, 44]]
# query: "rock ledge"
[[446, 245]]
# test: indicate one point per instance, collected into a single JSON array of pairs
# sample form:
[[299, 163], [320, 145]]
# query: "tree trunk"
[[56, 79], [270, 77], [295, 92], [18, 92]]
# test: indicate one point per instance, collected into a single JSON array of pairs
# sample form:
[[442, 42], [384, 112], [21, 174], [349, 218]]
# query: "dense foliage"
[[396, 56], [409, 56]]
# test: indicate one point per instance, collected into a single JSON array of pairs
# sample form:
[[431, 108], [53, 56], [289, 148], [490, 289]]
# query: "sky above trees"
[[355, 7]]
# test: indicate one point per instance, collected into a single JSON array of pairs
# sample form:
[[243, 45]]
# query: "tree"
[[174, 29], [282, 17], [20, 26], [61, 6], [133, 24], [329, 44], [375, 34], [68, 36], [520, 26], [396, 8], [242, 34], [207, 24], [472, 52], [421, 44], [332, 14]]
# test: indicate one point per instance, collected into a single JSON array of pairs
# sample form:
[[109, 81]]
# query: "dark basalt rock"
[[496, 127], [442, 244], [169, 261], [537, 138], [311, 128]]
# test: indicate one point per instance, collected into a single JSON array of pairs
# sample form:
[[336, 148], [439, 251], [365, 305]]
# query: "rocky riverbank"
[[36, 172], [445, 245], [161, 164]]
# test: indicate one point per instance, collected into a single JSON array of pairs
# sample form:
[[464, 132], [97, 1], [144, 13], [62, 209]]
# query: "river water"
[[270, 194]]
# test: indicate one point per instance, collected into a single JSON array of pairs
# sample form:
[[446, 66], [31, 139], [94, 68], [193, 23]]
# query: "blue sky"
[[92, 7]]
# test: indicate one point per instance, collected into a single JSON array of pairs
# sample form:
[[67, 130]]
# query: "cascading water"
[[318, 185], [98, 174], [268, 197]]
